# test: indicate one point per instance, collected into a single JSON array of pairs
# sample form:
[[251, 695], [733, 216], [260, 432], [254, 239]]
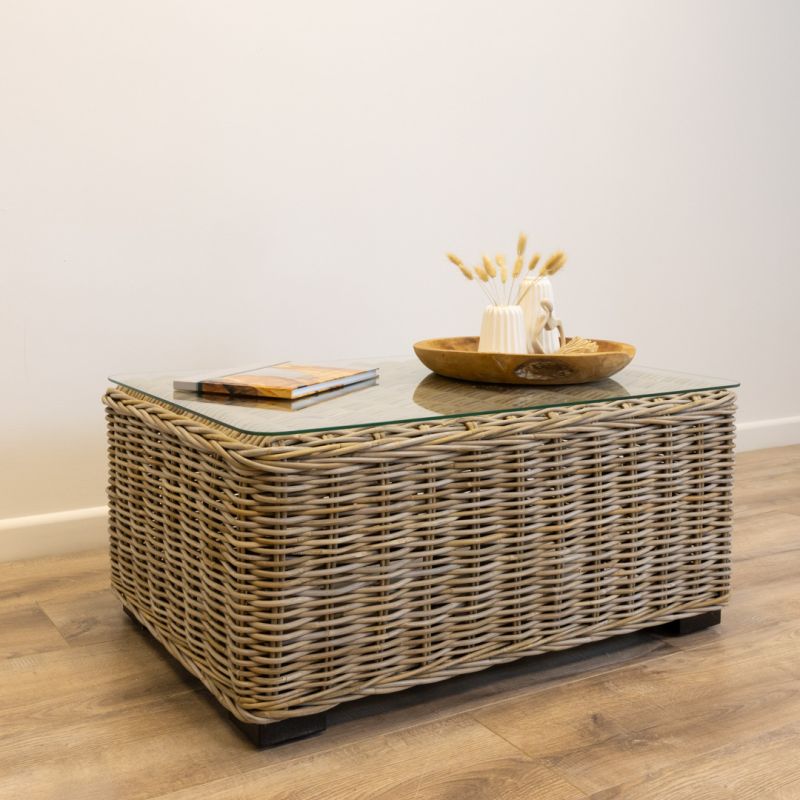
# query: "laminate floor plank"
[[763, 767], [636, 720], [453, 759], [25, 630], [89, 618], [766, 534], [37, 580], [767, 480]]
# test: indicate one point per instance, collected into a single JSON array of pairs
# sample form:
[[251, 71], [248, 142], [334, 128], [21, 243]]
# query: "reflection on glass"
[[406, 391], [450, 397]]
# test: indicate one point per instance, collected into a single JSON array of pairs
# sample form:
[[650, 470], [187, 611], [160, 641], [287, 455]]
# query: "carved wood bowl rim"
[[458, 357]]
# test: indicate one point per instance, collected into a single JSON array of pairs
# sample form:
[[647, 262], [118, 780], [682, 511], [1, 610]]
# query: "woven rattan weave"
[[293, 573]]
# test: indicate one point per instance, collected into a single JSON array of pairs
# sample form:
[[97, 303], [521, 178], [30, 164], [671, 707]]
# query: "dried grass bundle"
[[578, 345], [498, 281]]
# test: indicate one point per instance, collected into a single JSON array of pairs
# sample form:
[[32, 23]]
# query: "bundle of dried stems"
[[501, 284]]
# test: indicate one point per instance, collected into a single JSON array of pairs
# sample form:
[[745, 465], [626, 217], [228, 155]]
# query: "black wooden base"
[[687, 625], [283, 731]]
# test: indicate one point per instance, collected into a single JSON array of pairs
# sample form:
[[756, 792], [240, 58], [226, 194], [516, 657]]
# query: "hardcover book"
[[288, 381]]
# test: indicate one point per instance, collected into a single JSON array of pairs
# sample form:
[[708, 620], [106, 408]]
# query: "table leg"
[[282, 731], [687, 625]]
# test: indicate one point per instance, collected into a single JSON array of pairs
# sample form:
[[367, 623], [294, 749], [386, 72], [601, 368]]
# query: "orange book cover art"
[[287, 381]]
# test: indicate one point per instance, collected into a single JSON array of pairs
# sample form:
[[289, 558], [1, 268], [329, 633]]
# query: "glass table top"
[[405, 391]]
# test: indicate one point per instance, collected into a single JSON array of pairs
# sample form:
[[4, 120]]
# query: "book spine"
[[240, 390]]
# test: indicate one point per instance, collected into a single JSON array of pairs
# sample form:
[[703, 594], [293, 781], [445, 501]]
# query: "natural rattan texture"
[[291, 574]]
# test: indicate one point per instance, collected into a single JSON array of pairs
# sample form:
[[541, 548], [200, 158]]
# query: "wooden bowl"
[[458, 357]]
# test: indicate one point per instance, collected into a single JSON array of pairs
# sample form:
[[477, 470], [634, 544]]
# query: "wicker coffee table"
[[297, 558]]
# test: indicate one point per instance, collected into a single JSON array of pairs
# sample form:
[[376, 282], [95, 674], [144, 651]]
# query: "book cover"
[[287, 381]]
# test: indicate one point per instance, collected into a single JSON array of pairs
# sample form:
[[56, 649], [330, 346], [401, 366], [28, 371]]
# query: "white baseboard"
[[777, 432], [85, 528], [53, 534]]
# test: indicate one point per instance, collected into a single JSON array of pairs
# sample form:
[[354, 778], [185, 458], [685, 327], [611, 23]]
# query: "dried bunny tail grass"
[[553, 264], [552, 260], [481, 273], [489, 267], [466, 272], [501, 263], [533, 262], [521, 244], [556, 268], [515, 273]]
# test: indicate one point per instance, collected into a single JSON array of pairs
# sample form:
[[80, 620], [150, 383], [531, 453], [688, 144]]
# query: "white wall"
[[185, 183]]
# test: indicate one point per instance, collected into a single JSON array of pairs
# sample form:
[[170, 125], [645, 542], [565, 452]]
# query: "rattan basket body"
[[291, 574]]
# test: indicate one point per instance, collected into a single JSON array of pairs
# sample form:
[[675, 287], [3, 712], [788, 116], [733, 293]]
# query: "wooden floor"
[[90, 708]]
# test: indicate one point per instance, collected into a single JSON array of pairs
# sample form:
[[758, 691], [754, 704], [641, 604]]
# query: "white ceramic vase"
[[531, 304], [503, 330]]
